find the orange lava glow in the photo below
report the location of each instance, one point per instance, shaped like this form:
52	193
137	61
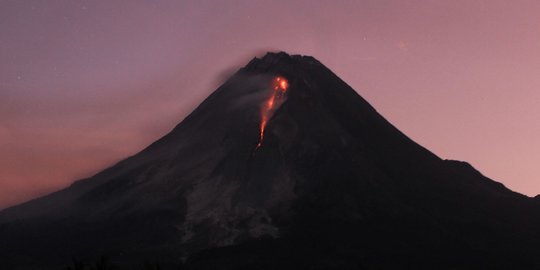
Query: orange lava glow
280	86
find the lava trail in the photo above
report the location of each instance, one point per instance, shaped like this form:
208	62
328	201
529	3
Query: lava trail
279	85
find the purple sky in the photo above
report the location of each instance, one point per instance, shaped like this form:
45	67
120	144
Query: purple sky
86	83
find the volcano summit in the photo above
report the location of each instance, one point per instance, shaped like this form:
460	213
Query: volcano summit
284	166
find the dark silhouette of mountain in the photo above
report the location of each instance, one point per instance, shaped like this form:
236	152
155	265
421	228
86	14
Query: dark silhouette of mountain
332	186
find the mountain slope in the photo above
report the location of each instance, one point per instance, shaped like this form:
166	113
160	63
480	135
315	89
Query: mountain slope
332	178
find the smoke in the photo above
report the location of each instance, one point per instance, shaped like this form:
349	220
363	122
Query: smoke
225	73
268	92
247	89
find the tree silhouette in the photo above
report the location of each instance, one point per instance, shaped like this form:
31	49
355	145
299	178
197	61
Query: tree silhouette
76	265
103	264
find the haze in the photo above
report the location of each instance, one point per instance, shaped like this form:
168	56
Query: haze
84	84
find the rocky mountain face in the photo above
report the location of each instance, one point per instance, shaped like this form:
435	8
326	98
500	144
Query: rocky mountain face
332	185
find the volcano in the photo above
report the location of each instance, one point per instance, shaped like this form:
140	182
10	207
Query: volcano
315	180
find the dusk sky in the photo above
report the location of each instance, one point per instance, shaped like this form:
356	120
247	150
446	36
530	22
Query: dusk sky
84	84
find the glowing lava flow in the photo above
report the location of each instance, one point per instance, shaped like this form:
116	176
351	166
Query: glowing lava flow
280	86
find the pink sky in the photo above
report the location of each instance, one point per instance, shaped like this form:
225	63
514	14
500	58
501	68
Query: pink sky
86	83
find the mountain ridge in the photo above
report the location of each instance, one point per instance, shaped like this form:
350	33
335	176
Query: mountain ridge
329	165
